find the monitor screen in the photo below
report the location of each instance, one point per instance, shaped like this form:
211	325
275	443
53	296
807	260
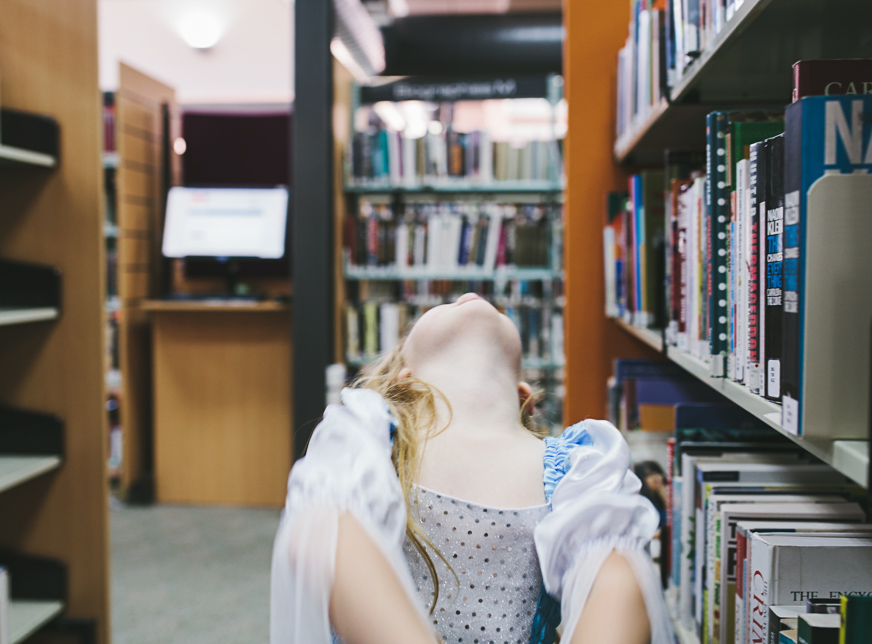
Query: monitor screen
226	222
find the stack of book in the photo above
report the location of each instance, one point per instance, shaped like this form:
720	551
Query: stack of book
754	254
381	156
447	236
752	525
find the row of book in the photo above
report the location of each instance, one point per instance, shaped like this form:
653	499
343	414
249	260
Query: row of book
454	235
383	156
5	619
825	620
374	327
666	36
737	250
754	529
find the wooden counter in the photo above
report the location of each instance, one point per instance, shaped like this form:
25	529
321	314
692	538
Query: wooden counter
222	401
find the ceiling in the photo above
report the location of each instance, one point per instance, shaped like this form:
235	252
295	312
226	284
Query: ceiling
399	8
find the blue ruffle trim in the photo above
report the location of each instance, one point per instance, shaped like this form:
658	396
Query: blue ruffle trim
557	451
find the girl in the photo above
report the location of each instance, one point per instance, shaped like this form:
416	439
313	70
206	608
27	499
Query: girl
426	511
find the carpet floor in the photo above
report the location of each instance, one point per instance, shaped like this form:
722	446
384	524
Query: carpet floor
191	575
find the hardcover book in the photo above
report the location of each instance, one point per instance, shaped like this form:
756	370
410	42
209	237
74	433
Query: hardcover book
787	569
829	143
774	259
850	76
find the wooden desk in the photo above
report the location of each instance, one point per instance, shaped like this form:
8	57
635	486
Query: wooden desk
222	401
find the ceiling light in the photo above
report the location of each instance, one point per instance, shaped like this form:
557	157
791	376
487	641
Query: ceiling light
200	29
399	8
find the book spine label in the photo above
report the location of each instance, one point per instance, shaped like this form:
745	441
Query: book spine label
753	246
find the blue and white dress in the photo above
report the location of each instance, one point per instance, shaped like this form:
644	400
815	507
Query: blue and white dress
514	572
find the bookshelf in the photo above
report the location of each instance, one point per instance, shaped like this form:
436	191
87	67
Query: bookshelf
469	195
54	527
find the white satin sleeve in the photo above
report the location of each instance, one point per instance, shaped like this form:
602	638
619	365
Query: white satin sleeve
596	509
347	469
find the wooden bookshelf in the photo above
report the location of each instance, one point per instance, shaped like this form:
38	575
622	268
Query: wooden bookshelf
19	158
15	470
27	617
10	316
52	218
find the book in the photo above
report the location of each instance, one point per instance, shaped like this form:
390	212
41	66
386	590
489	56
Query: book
5	626
828	137
856	619
817	628
781	618
744	529
786	569
830	605
755	306
849	76
774	151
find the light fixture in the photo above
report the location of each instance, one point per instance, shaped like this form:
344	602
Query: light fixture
399	8
180	146
200	29
390	114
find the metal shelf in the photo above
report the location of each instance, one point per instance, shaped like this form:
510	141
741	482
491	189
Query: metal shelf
652	337
15	470
748	64
850	457
456	274
458	187
27	617
17	315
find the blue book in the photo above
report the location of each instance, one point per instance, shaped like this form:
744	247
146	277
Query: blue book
824	136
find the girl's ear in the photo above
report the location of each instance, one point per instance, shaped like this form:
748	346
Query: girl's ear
525	391
405	372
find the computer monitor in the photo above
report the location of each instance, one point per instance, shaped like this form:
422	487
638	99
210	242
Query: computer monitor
226	223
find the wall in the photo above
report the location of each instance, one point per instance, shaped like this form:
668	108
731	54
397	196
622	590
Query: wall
251	63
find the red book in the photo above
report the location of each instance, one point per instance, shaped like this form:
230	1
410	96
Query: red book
830	77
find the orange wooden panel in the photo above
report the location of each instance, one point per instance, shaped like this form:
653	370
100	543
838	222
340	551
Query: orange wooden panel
595	31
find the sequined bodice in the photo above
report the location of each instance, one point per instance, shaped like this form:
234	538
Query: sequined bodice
493	598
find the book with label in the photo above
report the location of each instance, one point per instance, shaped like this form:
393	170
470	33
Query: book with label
788	568
851	76
828	146
773	259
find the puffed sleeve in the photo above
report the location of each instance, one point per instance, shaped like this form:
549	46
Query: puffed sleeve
347	469
596	509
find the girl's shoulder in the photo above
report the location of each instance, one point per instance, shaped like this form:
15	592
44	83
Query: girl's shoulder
598	437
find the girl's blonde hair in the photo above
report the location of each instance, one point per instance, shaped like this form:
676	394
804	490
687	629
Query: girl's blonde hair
413	405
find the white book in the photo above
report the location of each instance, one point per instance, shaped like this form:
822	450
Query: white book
787	569
486	158
395	159
352	332
723	547
410	161
402	245
5	628
557	355
455	234
389	326
744	529
434	239
419	254
611	287
493	236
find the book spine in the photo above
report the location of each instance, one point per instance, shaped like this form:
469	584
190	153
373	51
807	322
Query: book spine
753	290
758	593
790	352
718	215
774	266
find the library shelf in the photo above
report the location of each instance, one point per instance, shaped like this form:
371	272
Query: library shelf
505	187
850	457
744	65
652	337
457	274
22	315
19	158
216	304
26	617
535	364
15	470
